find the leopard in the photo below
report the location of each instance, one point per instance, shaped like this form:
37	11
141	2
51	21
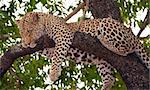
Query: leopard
115	36
111	33
29	35
36	24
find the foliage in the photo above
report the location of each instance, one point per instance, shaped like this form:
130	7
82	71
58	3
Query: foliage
129	9
30	71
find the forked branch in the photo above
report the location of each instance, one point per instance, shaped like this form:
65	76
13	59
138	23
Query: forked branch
144	23
75	11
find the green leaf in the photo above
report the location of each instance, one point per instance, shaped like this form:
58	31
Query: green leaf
33	2
43	2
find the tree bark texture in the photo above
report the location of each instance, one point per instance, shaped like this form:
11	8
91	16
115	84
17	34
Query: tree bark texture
105	8
133	72
129	67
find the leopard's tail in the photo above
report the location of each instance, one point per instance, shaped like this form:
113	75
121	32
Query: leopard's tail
142	54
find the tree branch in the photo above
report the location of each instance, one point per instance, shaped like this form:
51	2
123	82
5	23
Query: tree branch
144	23
129	69
147	37
133	72
75	11
18	79
105	8
18	51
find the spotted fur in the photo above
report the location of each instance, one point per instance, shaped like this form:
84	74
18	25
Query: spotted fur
113	35
105	69
35	24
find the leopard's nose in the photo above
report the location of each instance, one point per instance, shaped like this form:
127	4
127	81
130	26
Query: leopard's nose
25	45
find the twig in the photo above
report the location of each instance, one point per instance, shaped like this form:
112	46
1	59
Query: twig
144	23
4	37
147	37
75	11
18	80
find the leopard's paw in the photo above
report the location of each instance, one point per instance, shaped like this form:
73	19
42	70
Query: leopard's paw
108	84
55	73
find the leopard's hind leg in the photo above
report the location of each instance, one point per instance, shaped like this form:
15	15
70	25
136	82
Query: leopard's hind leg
104	69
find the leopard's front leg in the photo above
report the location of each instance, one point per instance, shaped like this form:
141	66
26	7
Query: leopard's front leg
55	70
63	42
56	62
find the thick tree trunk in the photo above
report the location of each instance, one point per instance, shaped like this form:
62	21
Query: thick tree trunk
129	66
105	8
133	72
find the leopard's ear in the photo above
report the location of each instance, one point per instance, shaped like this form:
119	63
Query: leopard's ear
18	22
35	17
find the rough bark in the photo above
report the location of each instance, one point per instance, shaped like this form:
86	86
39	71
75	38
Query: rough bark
131	69
133	72
128	66
17	51
104	8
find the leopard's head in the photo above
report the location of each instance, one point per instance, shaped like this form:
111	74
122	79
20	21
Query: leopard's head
31	28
